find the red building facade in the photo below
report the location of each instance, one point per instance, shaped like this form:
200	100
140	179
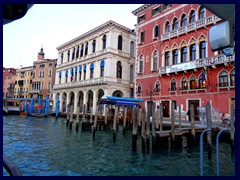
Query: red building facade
8	82
175	63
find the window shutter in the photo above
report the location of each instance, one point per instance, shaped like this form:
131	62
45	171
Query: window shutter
138	19
159	9
152	12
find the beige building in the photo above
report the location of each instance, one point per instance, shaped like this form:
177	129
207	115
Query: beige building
23	81
97	63
43	76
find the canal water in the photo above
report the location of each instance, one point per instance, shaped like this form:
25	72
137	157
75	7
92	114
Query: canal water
46	147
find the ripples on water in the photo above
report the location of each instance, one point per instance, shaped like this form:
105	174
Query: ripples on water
46	147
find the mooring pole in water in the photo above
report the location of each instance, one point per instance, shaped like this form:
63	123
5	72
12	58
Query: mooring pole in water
95	120
68	114
157	118
118	107
77	117
57	106
192	123
115	123
149	106
106	117
83	117
180	115
143	129
172	123
124	119
201	151
46	106
161	117
71	117
232	128
91	116
209	126
154	144
135	128
139	120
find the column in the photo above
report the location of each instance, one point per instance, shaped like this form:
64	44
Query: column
75	102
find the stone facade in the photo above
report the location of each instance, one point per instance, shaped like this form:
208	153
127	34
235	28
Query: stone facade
8	82
95	64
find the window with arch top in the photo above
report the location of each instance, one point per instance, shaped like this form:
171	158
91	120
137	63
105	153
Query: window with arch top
119	42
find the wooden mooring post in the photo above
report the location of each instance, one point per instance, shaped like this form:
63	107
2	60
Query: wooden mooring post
115	123
180	115
77	117
154	143
158	118
135	128
172	123
149	106
209	126
143	129
161	117
106	118
68	114
193	135
71	117
124	119
232	128
95	121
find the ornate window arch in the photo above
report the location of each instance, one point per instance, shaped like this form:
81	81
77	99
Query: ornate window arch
157	87
184	83
141	64
223	78
201	13
167	27
156	31
184	21
193	82
155	60
139	88
175	23
173	85
192	16
232	77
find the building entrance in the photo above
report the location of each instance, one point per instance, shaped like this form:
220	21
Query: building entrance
195	106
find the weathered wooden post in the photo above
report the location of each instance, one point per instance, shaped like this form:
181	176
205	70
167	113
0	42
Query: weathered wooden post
91	116
124	119
149	105
180	115
232	128
77	117
95	120
68	114
135	128
106	117
157	118
153	127
161	117
209	126
139	120
118	107
143	129
192	122
115	124
71	117
172	123
101	111
84	117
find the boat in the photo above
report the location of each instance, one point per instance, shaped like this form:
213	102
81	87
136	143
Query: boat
37	115
11	106
23	113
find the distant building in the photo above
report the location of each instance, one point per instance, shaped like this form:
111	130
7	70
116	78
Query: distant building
23	81
8	82
43	76
97	63
175	63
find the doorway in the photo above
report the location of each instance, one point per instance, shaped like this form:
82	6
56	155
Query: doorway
195	105
166	108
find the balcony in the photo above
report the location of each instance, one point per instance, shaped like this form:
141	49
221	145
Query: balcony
91	82
20	92
191	65
191	27
225	85
35	91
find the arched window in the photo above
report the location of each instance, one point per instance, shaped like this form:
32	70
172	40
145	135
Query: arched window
167	58
167	27
193	83
131	73
192	17
119	70
232	78
66	76
102	64
173	85
132	49
201	82
73	53
139	88
50	73
183	54
223	79
80	73
202	49
68	55
201	14
77	52
175	56
156	31
104	40
142	36
183	20
82	48
94	46
86	49
192	52
175	24
155	61
157	87
75	76
120	42
61	58
84	72
141	64
59	77
91	70
184	83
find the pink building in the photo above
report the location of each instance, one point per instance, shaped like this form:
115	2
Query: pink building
8	82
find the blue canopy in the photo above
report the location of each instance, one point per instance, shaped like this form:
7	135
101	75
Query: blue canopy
102	63
76	70
85	68
113	98
92	66
66	73
80	69
60	74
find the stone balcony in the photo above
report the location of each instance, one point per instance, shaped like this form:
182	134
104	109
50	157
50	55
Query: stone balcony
190	27
200	63
90	82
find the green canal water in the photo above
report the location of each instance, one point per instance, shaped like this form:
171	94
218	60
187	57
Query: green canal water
46	147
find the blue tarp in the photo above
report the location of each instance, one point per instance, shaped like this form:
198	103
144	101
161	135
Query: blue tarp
112	98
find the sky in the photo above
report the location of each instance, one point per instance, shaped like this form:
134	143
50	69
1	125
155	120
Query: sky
51	25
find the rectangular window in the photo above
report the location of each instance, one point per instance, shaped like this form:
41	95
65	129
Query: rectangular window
142	36
167	58
141	18
202	49
156	10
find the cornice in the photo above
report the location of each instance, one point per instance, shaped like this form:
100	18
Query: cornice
138	11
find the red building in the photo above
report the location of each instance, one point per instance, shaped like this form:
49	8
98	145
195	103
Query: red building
8	82
175	62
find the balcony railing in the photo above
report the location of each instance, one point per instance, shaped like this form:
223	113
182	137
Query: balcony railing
20	92
209	61
35	91
91	82
190	27
225	85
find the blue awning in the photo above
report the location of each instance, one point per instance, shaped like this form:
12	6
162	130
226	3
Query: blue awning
76	70
60	74
85	68
80	69
113	98
102	63
92	66
66	73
